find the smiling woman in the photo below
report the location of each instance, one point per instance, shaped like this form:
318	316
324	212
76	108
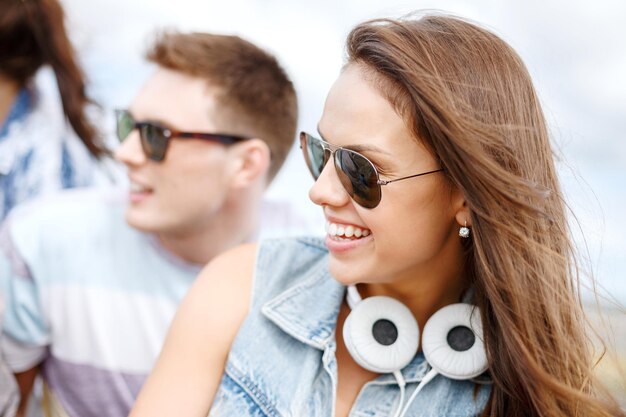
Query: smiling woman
471	247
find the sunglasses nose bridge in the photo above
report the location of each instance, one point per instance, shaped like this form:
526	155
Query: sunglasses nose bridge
130	151
329	153
328	188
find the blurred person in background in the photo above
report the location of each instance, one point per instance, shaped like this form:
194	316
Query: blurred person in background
92	278
47	140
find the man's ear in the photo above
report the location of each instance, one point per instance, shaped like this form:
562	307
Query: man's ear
251	159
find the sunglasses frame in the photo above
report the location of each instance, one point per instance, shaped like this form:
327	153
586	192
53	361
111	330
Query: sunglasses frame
328	147
168	134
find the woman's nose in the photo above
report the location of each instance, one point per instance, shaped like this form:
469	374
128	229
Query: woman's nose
328	190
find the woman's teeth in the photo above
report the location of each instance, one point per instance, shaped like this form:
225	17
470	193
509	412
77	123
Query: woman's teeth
346	231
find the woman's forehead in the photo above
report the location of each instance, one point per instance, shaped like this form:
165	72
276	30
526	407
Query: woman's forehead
355	109
356	114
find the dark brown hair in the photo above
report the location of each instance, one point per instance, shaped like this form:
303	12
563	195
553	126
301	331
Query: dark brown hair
33	33
468	97
256	93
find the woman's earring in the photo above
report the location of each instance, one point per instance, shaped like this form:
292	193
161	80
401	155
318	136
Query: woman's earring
464	231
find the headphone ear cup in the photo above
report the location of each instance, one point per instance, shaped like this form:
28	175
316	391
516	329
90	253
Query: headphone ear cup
381	334
453	342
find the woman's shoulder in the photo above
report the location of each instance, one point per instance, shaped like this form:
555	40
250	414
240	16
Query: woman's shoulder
252	274
266	267
310	245
289	255
290	252
284	263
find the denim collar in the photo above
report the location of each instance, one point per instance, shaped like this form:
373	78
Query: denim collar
308	312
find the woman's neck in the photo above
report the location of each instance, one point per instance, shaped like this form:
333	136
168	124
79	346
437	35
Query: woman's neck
423	300
8	91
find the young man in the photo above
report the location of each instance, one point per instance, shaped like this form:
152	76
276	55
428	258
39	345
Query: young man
91	281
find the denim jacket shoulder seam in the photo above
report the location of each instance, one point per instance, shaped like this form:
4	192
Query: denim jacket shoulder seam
251	389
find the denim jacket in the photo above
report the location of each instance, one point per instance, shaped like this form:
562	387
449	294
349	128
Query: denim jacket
282	361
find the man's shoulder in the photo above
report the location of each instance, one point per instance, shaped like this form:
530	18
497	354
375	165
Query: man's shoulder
75	203
74	214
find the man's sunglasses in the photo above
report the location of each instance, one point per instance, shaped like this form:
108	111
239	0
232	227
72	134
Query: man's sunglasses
357	174
155	137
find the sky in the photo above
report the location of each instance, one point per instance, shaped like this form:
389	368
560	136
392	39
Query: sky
573	49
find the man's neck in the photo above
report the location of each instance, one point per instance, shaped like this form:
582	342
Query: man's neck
8	92
237	224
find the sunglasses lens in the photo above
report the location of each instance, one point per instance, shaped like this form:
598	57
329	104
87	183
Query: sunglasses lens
314	154
153	141
358	177
125	124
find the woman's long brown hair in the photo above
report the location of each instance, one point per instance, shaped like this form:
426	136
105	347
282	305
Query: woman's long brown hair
467	95
33	33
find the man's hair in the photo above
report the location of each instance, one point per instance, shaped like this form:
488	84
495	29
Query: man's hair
257	97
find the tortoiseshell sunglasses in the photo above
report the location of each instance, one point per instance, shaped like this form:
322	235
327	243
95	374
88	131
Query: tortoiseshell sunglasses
155	137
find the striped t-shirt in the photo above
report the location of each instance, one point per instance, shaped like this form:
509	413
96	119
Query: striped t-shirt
89	296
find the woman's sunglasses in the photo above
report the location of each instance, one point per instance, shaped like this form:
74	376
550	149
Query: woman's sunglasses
155	137
357	174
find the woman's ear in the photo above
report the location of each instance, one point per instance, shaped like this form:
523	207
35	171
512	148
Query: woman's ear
462	211
463	216
252	162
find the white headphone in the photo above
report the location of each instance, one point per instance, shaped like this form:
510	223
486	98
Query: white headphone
382	336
